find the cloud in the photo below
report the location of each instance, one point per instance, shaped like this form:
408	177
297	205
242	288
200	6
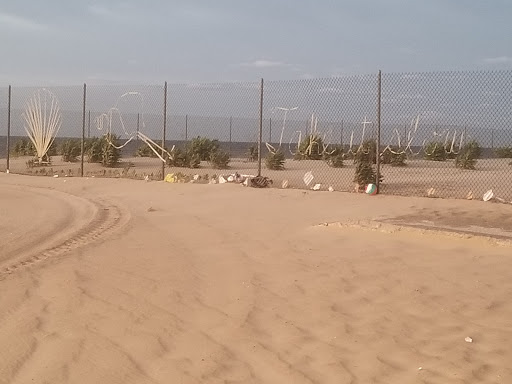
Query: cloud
498	60
115	12
265	64
20	23
100	10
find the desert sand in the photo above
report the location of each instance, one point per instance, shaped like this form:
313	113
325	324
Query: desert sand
125	281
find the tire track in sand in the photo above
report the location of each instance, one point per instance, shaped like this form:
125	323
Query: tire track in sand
107	220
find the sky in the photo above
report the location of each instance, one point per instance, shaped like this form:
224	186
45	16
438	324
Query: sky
63	42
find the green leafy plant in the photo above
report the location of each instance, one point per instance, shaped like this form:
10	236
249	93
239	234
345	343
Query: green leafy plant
183	158
219	159
110	154
394	156
468	155
94	150
310	148
365	172
275	161
23	147
435	151
145	151
503	152
334	156
70	150
252	153
203	147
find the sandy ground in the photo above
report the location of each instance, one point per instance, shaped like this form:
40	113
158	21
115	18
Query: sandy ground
122	281
413	180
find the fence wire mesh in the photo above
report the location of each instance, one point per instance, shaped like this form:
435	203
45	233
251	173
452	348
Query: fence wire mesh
3	128
317	125
446	134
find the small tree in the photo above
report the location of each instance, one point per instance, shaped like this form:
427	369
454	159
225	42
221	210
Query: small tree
435	151
94	150
145	151
394	156
468	155
23	147
275	160
252	153
203	147
219	159
110	154
183	158
365	172
504	152
310	148
70	150
369	150
334	156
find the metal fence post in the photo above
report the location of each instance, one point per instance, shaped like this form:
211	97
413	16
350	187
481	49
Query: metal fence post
341	135
230	132
164	130
138	127
89	125
270	131
8	130
261	128
379	90
82	144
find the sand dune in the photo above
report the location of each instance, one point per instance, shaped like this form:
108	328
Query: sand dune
161	283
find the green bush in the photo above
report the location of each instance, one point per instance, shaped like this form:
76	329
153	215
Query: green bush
365	172
94	150
70	150
275	161
368	151
219	159
503	152
310	148
145	151
450	155
183	159
252	153
468	155
23	147
435	151
110	154
394	157
203	147
334	156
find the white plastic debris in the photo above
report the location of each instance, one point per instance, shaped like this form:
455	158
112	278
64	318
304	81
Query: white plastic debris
308	178
331	189
488	195
468	339
317	187
231	178
196	177
55	176
431	192
222	180
284	184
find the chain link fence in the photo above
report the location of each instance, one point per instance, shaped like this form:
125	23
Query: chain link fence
445	134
